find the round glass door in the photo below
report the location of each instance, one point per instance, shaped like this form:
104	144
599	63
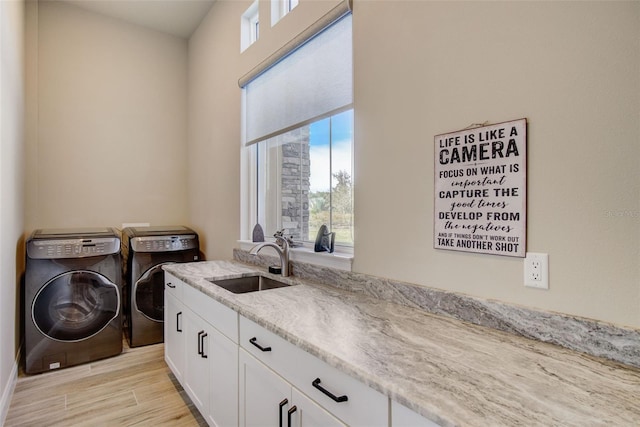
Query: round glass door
75	305
149	293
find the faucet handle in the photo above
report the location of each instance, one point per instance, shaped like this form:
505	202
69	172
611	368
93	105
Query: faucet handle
282	241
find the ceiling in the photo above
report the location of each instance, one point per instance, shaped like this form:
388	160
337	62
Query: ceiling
177	17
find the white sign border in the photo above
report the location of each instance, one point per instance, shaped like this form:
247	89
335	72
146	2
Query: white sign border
487	245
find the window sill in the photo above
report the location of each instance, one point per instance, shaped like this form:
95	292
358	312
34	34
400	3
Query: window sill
337	260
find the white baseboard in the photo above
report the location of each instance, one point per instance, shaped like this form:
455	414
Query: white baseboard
9	387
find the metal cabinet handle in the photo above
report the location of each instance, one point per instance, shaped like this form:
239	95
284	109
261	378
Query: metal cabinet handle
289	413
204	335
170	285
316	384
254	342
200	342
178	316
284	402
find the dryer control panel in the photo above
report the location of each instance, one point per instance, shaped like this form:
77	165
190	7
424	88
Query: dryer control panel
164	243
72	248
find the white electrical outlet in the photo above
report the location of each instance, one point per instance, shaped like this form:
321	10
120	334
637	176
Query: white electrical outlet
536	270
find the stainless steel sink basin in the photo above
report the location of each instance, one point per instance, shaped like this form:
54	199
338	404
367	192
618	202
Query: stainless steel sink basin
243	285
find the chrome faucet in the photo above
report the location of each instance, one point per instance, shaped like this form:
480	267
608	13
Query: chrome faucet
282	247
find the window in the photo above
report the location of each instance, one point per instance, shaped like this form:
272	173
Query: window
304	180
249	26
298	138
279	8
254	23
288	5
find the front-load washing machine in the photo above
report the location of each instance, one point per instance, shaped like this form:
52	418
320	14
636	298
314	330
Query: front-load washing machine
73	290
146	249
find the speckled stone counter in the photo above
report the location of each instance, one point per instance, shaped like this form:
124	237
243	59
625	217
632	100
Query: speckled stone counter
452	372
597	338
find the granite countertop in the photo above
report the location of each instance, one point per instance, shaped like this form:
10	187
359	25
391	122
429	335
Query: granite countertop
452	372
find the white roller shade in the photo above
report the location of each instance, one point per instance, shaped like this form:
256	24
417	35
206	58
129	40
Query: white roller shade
313	81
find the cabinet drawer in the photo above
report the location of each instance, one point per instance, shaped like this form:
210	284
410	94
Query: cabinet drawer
346	398
220	316
272	350
326	385
173	285
401	416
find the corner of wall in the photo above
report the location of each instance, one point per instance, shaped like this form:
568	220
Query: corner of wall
10	386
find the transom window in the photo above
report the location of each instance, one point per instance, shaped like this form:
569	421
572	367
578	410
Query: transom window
250	26
279	8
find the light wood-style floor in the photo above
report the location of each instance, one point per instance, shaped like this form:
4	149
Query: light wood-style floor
135	388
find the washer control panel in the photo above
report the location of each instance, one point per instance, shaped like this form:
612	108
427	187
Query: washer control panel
164	243
72	248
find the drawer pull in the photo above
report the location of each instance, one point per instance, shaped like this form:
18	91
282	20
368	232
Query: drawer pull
284	402
316	384
290	412
170	285
200	351
204	335
253	341
178	316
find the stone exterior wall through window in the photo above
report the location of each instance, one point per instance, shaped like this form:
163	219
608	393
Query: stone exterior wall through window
295	184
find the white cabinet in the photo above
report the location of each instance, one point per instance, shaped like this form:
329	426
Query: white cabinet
401	416
307	413
261	394
203	358
266	399
197	372
173	329
223	395
335	398
237	373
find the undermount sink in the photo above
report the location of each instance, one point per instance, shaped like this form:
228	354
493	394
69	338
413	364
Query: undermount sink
242	285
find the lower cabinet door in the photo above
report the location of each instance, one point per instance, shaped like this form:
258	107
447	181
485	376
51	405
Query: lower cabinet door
223	407
307	413
265	398
197	373
174	335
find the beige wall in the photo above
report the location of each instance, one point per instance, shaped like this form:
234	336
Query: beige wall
214	129
11	190
109	144
573	70
423	68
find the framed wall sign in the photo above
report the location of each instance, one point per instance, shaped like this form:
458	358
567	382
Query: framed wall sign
481	189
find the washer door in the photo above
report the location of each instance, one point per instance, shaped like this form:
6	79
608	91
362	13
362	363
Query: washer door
148	293
75	306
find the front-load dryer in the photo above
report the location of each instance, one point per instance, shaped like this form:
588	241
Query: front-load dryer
146	249
73	290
